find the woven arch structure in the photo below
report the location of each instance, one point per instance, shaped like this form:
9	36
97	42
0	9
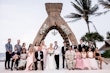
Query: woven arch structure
55	21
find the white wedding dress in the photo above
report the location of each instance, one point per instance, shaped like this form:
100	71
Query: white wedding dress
50	60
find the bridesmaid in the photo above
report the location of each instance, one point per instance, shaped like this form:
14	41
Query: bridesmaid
85	60
98	57
30	58
30	46
44	49
93	62
79	63
22	61
24	46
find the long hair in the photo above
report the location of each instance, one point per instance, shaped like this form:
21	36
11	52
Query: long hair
22	50
31	49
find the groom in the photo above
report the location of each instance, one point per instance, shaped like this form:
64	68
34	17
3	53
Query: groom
39	58
56	51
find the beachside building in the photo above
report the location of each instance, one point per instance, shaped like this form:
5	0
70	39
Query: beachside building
106	46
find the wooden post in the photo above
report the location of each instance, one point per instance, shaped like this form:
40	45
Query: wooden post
55	20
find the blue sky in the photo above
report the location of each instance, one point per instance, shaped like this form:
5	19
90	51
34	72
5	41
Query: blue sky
21	19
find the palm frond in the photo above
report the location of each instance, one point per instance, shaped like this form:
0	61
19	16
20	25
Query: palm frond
94	9
84	4
73	15
106	4
74	20
79	9
100	13
88	4
85	10
79	2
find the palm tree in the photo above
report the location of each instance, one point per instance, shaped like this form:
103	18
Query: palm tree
94	36
84	10
106	4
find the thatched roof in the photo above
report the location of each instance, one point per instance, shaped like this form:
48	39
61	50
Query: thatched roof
106	46
108	41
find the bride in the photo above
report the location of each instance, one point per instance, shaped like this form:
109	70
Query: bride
50	58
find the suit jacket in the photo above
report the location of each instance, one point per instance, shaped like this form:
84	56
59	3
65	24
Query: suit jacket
80	47
13	53
75	47
63	50
41	55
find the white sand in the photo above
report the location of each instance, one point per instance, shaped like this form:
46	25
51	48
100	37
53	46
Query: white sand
106	69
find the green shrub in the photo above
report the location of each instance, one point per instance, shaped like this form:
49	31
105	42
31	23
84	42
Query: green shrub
106	54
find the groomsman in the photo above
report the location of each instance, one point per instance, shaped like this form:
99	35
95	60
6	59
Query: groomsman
9	48
91	45
63	50
81	45
39	58
18	46
70	55
15	58
56	51
73	46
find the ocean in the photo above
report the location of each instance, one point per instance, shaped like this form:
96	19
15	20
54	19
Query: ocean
2	56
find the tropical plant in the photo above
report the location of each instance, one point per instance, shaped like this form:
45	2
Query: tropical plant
106	3
93	36
106	54
84	10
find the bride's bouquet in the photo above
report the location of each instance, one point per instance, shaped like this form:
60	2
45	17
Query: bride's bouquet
51	53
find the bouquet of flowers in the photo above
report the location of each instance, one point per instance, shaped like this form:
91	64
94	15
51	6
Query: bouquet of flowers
51	53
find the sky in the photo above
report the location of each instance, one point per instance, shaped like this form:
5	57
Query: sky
21	19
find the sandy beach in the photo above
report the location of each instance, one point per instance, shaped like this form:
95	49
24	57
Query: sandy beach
106	69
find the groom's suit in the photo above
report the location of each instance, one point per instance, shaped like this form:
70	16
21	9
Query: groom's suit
56	51
80	46
64	49
39	57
